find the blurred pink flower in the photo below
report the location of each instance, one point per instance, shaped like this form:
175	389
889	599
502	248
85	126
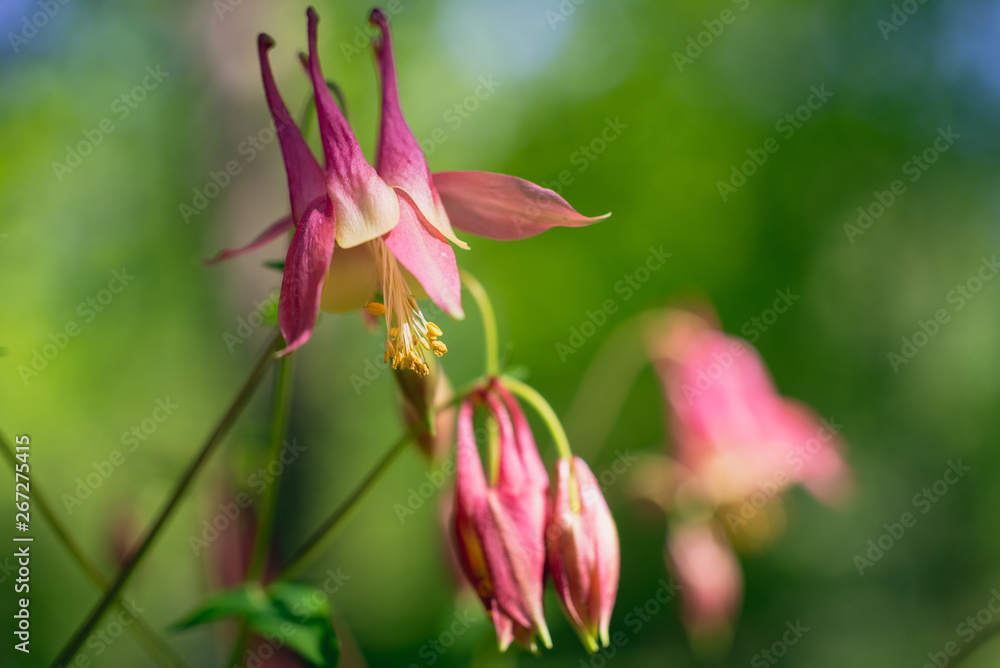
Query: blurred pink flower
583	552
732	432
500	523
710	578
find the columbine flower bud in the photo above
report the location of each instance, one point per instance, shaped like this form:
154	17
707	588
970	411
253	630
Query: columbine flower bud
500	523
710	578
582	552
419	397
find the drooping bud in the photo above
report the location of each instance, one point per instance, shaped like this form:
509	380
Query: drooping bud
500	525
582	552
419	398
710	578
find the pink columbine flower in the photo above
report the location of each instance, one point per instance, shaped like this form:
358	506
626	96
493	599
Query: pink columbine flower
392	225
710	578
500	523
582	552
733	433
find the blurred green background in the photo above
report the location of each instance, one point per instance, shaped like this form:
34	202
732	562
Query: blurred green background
560	73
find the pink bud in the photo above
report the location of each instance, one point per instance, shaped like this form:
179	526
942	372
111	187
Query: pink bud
500	523
709	575
583	553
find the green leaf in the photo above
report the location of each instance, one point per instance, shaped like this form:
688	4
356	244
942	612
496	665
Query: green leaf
243	602
291	615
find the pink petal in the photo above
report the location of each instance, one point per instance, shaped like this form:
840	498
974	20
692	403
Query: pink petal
305	268
531	461
428	258
306	181
267	236
364	206
504	207
400	161
470	484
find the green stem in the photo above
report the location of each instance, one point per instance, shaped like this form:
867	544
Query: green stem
538	402
489	317
221	429
147	637
269	501
320	538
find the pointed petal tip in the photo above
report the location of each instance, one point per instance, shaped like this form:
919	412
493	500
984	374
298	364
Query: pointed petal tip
379	17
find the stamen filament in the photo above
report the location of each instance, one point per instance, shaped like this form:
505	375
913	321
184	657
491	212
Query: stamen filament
408	333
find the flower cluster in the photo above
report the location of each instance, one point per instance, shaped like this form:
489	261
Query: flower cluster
509	531
362	231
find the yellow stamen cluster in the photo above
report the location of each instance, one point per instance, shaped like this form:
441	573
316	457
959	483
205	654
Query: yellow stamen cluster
408	333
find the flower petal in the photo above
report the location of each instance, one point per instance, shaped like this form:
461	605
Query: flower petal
400	161
364	206
306	180
305	268
262	239
430	259
504	207
351	280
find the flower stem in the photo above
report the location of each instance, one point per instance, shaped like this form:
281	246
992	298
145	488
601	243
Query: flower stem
269	501
147	637
221	429
267	512
542	407
489	317
320	538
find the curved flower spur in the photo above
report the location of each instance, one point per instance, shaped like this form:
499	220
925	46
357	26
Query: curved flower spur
392	226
